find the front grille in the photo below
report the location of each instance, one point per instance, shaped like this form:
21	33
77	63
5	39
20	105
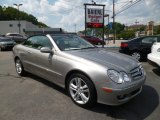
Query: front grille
9	44
137	72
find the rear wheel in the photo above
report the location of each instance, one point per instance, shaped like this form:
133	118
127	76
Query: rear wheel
0	49
81	90
19	67
137	55
99	43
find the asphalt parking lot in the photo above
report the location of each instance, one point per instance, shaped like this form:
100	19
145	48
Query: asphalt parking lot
33	98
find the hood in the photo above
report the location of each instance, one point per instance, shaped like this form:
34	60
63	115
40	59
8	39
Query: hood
108	59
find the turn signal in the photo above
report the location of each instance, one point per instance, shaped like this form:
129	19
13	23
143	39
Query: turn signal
107	90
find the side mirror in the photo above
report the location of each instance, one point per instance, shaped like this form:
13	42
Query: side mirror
46	50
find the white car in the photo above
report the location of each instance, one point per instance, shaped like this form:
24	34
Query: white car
154	56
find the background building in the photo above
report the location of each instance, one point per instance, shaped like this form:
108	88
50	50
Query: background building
12	26
150	28
26	28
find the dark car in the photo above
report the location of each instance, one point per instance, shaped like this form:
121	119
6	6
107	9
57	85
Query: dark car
139	47
6	43
18	38
93	40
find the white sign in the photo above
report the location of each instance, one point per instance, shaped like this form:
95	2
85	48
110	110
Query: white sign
94	15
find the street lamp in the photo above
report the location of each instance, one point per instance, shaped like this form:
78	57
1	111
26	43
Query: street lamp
18	5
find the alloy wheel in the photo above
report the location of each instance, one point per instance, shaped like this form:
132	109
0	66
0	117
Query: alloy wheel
18	66
136	55
79	90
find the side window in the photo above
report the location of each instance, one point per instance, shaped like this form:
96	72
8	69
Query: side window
31	41
149	40
43	41
38	42
158	39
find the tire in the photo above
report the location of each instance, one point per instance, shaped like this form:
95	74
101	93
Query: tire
81	90
99	43
19	67
137	56
1	49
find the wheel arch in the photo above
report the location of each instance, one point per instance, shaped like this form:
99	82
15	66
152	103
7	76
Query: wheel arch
80	72
15	58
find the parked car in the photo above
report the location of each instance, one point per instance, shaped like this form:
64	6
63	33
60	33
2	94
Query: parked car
93	40
18	38
6	43
154	56
89	74
139	47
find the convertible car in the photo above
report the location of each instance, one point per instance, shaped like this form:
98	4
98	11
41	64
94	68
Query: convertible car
88	73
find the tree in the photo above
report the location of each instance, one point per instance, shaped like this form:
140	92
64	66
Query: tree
126	34
157	30
11	13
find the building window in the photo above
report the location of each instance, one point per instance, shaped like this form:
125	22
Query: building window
10	25
19	25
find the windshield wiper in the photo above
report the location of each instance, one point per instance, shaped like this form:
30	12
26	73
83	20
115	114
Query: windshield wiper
72	48
89	48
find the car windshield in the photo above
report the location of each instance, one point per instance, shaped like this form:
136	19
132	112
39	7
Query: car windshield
5	40
71	42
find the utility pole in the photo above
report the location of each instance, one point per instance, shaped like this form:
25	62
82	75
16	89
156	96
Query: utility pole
109	28
107	15
75	25
19	25
136	22
114	28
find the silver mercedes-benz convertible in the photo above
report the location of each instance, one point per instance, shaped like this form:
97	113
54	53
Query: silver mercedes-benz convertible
89	74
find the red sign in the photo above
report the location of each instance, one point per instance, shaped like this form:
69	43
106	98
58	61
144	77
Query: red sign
94	25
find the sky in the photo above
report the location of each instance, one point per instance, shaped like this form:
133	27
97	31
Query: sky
70	15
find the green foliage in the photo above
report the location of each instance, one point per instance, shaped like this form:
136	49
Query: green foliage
98	31
126	34
157	30
142	28
11	13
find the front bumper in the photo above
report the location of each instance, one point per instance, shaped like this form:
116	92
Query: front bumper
6	46
120	96
154	58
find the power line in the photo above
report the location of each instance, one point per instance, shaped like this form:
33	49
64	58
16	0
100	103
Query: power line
122	6
128	7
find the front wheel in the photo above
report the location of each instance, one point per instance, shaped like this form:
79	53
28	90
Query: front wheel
81	90
19	67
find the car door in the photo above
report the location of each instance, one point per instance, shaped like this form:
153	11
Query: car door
146	44
26	54
44	64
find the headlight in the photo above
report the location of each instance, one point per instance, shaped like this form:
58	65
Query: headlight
158	50
125	77
118	77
